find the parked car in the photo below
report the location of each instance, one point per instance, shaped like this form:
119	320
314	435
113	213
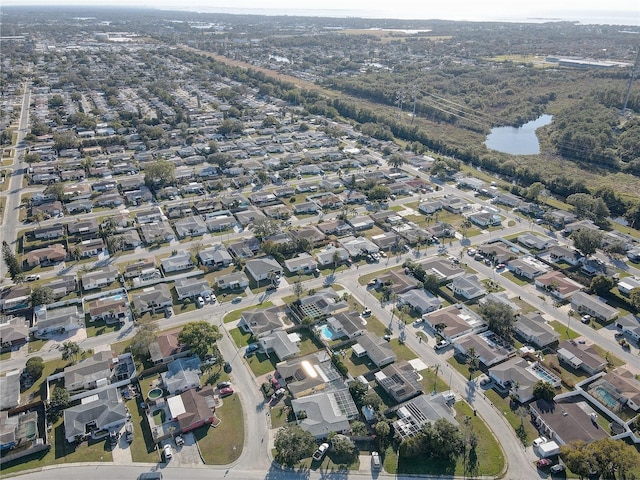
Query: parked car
441	344
539	441
560	467
320	452
213	298
418	322
252	347
179	440
366	312
32	278
271	288
236	300
585	318
227	367
168	452
224	384
168	312
226	391
543	462
207	297
372	283
113	437
128	428
375	461
200	301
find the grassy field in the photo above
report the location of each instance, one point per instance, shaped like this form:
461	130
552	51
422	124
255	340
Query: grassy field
223	445
239	337
143	449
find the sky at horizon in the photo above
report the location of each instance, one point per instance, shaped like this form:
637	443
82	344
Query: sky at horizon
623	12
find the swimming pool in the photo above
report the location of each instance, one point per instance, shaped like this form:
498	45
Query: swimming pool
117	297
326	332
608	399
543	374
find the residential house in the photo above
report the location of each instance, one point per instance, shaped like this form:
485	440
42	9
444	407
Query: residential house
14	299
485	219
517	376
400	381
321	304
335	227
332	257
622	385
588	304
324	412
177	262
420	301
557	284
99	278
85	226
310	374
145	267
248	216
454	321
76	206
305	208
192	287
152	298
453	204
310	233
191	226
498	251
377	349
91	248
399	281
442	268
47	210
96	415
151	215
182	374
420	410
49	232
500	298
387	241
489	347
626	284
527	267
361	222
429	207
90	373
193	408
535	242
19	434
45	256
629	325
113	309
303	263
345	325
167	347
562	253
357	246
468	287
507	199
244	248
262	322
59	320
284	345
13	333
533	328
159	232
262	268
233	281
583	357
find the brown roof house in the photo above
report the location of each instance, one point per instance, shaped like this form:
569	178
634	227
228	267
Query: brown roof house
192	408
578	356
166	347
46	256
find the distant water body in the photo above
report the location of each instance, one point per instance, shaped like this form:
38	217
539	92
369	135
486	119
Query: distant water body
517	141
630	17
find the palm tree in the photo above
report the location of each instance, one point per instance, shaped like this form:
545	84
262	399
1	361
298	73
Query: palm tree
473	361
465	225
336	260
70	351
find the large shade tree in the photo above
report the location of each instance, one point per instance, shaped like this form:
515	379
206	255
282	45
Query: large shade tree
292	444
199	336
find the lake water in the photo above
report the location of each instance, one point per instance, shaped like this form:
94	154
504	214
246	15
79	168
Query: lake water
517	141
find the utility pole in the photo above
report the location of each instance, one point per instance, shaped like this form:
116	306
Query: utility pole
435	379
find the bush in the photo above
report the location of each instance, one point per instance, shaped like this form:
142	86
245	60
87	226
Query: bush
34	367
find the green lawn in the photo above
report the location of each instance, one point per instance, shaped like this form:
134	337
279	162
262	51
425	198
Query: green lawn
37	390
142	448
280	415
402	351
357	366
329	464
36	345
260	364
489	460
461	367
503	404
223	445
515	279
100	328
240	337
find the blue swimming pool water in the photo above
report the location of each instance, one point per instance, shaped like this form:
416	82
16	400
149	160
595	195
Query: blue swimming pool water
326	332
117	297
608	399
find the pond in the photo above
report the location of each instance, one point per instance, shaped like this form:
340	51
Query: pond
517	141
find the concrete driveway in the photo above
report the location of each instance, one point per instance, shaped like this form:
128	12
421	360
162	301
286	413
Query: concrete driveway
187	454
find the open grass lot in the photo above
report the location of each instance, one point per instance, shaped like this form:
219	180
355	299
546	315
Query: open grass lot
487	458
223	444
62	452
